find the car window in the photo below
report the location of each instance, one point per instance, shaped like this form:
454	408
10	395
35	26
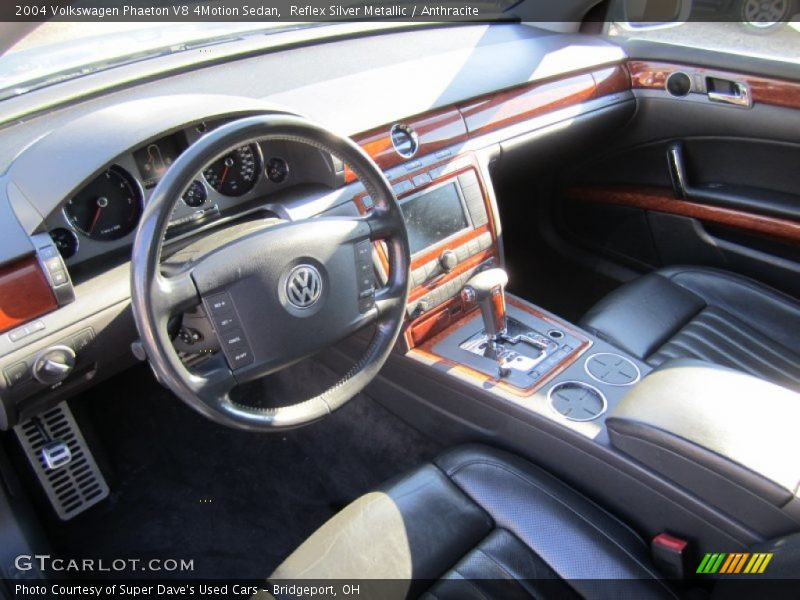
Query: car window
750	27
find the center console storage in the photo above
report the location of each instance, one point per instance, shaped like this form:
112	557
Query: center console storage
720	434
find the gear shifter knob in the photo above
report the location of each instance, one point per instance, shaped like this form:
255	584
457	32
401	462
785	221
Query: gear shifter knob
488	289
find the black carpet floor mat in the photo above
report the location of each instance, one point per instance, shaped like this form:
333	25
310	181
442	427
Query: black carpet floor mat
236	503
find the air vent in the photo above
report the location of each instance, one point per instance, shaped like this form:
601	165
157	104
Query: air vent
404	140
73	483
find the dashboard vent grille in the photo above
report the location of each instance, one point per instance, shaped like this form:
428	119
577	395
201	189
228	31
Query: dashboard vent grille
404	140
74	484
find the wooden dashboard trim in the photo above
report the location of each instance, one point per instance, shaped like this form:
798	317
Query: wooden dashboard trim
776	92
24	293
513	106
425	350
663	200
419	329
435	130
456	124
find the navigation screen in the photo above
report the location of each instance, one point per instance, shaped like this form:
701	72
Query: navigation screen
433	217
154	159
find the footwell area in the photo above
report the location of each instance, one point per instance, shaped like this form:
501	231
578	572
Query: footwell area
236	503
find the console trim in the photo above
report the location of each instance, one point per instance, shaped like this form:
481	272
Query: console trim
426	352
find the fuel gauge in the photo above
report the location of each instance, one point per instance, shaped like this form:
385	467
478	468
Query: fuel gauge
196	194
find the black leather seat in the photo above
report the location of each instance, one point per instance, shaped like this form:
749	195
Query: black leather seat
706	314
480	523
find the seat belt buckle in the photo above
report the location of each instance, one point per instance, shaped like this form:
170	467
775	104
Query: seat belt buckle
670	555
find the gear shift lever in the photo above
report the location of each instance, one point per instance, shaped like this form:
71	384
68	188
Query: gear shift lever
487	288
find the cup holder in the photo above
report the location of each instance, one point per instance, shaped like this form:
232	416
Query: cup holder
612	369
577	401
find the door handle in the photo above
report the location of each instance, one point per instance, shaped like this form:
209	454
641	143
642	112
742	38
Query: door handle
729	92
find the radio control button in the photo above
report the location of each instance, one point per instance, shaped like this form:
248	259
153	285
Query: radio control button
421	179
438	172
402	187
417	277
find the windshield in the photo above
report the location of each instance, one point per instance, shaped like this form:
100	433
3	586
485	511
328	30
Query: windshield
58	51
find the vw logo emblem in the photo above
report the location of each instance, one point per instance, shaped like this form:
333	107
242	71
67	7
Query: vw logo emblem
303	286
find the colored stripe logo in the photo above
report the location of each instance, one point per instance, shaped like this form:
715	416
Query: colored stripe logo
734	563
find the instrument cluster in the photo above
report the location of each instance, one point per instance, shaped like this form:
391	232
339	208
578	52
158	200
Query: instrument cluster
103	215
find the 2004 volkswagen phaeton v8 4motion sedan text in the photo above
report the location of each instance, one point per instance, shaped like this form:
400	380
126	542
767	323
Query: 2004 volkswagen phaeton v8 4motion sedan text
399	309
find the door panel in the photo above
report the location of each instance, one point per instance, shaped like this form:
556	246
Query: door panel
697	181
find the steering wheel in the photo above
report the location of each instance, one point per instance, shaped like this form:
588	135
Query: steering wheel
275	295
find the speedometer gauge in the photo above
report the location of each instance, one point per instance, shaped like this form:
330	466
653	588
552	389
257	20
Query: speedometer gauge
236	173
108	208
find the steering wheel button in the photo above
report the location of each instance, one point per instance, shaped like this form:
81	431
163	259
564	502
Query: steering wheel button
241	358
226	322
220	304
233	338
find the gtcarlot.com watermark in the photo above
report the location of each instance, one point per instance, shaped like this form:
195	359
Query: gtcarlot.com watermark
49	564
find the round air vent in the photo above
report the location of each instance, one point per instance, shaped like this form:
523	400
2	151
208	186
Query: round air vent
612	369
577	401
404	140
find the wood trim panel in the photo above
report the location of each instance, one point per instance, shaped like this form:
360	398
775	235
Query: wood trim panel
520	104
426	350
611	80
24	293
663	200
435	130
776	92
442	128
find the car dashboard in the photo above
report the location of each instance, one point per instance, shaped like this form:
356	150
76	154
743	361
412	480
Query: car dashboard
70	233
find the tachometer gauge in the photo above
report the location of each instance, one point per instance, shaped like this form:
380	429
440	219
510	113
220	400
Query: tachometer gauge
65	241
108	208
236	173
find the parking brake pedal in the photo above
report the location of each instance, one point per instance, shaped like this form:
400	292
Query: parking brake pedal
62	461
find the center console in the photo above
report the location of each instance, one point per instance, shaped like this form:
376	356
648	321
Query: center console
452	236
460	320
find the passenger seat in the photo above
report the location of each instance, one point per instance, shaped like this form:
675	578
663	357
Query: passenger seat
706	314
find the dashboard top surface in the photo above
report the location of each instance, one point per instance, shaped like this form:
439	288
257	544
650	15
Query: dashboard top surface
391	75
388	77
